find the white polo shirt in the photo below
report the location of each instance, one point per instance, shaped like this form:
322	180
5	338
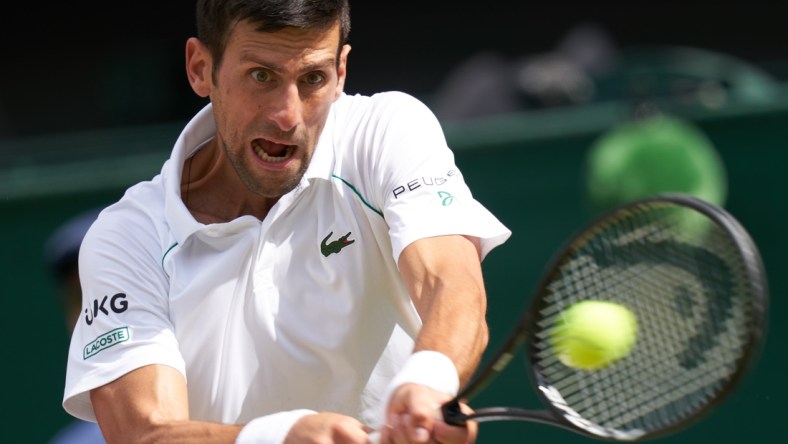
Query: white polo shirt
305	309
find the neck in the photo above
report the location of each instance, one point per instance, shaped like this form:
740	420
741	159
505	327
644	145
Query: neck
212	192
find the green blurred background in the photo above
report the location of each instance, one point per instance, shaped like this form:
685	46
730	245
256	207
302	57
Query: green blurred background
83	116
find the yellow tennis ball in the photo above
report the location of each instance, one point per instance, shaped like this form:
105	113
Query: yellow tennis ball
590	335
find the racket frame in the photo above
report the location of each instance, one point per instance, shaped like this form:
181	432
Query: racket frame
556	411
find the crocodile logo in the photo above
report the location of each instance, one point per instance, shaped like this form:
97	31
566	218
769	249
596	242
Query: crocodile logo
335	246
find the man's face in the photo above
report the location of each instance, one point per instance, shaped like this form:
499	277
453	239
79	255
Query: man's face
271	98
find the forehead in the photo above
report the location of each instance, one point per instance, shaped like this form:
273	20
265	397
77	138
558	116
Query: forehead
246	39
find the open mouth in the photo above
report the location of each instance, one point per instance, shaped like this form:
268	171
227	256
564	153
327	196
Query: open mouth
272	152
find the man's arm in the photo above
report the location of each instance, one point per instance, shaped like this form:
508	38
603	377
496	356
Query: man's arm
444	278
150	405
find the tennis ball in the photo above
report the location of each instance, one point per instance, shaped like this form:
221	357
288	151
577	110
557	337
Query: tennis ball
590	335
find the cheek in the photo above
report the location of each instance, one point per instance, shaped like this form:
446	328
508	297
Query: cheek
338	90
233	112
316	111
227	128
315	121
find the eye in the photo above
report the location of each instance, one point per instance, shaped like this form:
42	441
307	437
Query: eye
314	78
261	75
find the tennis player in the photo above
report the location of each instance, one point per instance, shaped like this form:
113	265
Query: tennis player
306	266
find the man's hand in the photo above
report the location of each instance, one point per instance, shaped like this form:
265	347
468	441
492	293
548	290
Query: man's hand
414	416
328	428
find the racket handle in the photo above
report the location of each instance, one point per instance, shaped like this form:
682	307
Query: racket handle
374	437
452	414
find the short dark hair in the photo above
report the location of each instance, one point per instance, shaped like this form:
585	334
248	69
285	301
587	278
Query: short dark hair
216	18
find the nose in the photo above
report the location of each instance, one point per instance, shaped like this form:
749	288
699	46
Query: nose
285	107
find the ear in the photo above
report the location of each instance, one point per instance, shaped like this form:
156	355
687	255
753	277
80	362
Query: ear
199	67
341	71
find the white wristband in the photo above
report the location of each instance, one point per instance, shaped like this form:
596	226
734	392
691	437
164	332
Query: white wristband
270	429
430	368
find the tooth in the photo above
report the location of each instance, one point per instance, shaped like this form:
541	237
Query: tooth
264	156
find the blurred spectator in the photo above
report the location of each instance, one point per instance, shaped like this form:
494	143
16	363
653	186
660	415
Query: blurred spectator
490	83
61	254
587	66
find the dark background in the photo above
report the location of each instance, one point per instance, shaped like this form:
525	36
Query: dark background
79	65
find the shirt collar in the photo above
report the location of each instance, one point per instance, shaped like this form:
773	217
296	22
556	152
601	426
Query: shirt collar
201	129
195	134
322	164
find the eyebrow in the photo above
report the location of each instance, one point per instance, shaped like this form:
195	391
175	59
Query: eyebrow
307	68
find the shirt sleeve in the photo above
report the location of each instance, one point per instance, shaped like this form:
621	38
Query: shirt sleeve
423	191
124	322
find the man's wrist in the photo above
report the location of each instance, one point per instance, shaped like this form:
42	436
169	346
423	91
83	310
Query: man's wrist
270	429
429	368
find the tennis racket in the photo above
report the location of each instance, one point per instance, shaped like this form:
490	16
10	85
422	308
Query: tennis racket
694	279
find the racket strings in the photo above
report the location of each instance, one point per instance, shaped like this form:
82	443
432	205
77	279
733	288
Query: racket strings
684	279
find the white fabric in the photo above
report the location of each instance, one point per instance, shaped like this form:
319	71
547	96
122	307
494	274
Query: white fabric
270	429
256	318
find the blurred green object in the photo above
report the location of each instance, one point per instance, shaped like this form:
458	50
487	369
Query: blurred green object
652	155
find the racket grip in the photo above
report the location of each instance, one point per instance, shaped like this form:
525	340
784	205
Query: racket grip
374	437
452	414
